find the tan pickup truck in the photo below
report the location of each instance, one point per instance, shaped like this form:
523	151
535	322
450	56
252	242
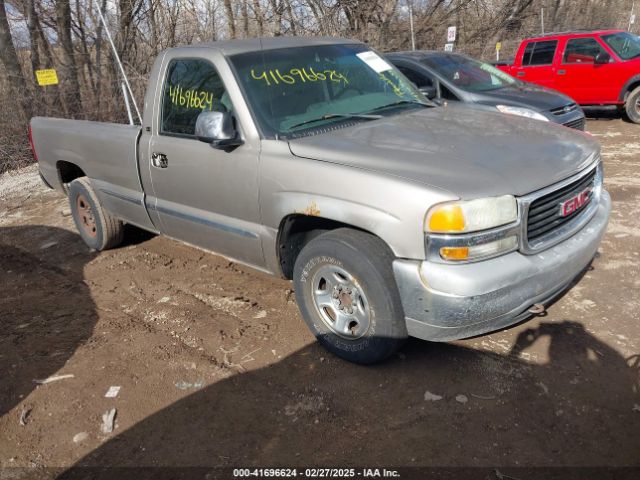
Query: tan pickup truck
317	160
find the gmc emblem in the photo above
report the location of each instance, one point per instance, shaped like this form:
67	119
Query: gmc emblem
575	203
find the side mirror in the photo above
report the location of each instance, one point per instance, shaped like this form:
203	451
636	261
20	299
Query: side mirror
430	92
602	58
217	129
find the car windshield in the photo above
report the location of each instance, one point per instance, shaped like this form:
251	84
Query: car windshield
625	45
468	74
295	90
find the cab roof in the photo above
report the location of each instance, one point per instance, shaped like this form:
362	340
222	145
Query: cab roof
246	45
574	33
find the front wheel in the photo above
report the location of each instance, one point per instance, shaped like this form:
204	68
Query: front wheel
632	106
346	292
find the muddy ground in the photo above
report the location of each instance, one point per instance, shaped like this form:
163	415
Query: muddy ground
216	367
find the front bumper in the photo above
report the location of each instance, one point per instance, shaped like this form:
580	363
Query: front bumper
447	302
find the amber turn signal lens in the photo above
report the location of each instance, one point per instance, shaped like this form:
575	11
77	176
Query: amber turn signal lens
454	253
448	218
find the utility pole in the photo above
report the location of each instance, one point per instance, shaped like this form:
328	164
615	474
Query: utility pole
542	19
413	37
632	17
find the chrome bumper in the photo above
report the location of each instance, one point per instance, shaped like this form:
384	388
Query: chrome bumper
447	302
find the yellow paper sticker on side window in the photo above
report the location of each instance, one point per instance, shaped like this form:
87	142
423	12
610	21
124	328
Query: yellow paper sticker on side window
47	77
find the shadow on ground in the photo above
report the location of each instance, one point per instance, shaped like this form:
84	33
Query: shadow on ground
46	311
601	113
577	409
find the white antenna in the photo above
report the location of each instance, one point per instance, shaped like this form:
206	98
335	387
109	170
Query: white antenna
126	102
124	75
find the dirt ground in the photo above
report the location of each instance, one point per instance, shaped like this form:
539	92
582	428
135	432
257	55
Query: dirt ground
216	367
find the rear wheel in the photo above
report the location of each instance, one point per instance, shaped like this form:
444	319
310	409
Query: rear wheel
632	106
348	297
97	227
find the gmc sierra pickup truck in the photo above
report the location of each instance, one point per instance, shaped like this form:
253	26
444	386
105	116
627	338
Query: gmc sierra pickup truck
317	160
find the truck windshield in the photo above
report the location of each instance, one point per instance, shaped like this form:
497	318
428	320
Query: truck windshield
625	45
468	74
296	90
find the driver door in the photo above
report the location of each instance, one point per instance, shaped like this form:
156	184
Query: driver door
201	195
580	77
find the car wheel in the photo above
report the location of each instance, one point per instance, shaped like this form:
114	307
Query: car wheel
347	294
632	106
97	227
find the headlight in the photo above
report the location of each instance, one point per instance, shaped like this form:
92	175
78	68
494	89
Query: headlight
471	215
522	112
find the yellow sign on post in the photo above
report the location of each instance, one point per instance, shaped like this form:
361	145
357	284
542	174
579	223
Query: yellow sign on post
47	77
498	46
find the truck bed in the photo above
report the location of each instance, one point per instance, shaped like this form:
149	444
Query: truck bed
105	152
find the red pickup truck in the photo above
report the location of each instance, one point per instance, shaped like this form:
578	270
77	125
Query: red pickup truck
594	68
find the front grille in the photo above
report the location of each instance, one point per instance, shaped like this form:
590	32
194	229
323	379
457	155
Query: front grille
578	124
544	213
570	107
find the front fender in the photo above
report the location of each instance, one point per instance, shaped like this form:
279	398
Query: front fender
365	217
390	207
626	88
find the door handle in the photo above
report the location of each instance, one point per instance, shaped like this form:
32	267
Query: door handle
159	160
561	72
520	73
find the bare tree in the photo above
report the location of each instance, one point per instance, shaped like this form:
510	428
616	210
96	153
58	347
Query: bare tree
69	73
257	12
230	18
32	20
11	64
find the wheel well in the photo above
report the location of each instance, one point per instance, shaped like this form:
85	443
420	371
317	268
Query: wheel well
298	230
630	88
68	172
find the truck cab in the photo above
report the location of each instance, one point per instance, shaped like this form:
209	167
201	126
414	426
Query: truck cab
595	68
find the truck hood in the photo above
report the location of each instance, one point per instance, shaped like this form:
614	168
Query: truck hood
468	152
526	95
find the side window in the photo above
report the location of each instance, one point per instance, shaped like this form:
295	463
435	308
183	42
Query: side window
191	86
539	53
582	50
418	79
528	50
448	94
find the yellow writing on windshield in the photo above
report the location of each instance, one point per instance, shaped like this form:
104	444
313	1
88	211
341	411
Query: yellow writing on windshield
294	75
397	85
190	98
395	88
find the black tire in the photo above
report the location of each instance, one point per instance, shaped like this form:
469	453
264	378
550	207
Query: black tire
365	262
98	228
632	106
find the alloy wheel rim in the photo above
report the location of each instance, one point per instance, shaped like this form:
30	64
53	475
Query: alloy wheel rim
341	302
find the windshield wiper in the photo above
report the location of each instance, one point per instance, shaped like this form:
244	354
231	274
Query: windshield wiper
336	115
402	102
